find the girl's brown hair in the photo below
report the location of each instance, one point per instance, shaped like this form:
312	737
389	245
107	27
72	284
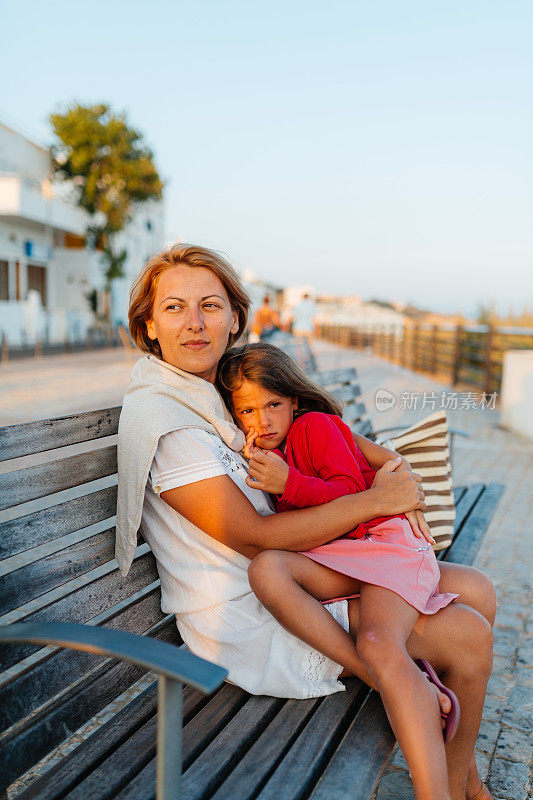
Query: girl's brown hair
273	370
142	294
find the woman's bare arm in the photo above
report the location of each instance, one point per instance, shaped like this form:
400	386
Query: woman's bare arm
219	508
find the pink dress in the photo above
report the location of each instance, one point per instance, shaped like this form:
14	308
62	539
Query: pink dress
325	463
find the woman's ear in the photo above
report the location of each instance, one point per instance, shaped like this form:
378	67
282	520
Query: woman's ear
235	327
295	404
150	329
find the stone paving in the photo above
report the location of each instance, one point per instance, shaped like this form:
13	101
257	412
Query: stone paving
505	742
71	383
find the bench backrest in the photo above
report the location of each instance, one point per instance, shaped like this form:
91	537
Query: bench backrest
57	520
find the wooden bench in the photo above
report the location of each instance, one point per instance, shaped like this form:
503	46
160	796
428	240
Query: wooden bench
77	636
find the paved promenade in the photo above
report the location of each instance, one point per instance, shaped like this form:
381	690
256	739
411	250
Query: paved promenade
70	383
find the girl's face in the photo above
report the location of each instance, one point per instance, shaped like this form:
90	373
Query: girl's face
269	414
192	319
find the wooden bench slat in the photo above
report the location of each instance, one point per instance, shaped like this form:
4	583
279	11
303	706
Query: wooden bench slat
64	668
465	548
23	533
24	744
465	505
333	377
356	765
49	434
47	573
33	742
198	781
87	602
262	757
298	760
45	479
458	492
124	763
221	755
363	428
346	393
74	767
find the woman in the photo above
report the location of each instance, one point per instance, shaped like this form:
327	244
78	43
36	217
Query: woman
180	470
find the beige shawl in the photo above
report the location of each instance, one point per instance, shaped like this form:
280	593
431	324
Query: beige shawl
160	399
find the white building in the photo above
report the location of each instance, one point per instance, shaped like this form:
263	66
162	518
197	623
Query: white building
46	271
354	312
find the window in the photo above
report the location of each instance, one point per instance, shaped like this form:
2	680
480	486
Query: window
37	280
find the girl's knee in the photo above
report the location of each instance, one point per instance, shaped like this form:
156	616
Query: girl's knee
264	566
377	650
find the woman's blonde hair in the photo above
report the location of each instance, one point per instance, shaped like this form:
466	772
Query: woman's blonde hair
142	294
273	370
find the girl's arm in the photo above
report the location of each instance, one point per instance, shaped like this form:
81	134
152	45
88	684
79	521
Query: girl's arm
376	454
336	470
219	508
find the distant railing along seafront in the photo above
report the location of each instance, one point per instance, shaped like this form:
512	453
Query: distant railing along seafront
470	355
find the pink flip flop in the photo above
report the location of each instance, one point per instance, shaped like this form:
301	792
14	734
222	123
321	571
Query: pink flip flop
452	719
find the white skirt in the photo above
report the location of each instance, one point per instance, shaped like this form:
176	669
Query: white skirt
259	654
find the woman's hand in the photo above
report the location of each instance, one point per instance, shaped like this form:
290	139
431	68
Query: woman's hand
416	518
267	471
400	490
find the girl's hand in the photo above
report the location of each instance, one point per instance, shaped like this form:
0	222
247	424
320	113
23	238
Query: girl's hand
249	448
419	526
267	471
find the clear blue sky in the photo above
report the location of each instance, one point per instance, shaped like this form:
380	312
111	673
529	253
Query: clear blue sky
382	149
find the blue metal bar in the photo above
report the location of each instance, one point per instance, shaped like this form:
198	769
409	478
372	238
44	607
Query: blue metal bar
160	657
169	738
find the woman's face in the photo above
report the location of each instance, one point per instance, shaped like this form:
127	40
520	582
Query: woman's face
192	319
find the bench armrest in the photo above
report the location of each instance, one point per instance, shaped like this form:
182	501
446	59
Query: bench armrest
160	657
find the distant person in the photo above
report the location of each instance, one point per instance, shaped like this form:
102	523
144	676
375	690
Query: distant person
303	323
266	320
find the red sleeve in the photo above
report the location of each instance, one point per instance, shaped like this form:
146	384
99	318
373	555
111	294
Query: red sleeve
334	465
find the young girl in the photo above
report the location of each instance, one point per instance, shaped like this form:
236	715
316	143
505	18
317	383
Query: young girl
301	452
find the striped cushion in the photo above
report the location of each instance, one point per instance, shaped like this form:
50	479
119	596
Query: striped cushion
425	446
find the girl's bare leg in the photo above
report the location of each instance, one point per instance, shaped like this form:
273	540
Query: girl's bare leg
457	641
290	586
385	623
290	582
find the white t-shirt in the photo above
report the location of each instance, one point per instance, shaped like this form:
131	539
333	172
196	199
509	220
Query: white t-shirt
196	571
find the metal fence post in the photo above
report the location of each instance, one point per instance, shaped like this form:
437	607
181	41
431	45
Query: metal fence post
5	349
457	359
435	346
169	738
416	347
488	358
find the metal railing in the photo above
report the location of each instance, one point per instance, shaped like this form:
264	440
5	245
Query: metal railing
470	356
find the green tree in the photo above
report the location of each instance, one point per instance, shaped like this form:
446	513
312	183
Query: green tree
111	168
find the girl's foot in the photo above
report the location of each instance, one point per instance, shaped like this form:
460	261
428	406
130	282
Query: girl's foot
482	794
451	717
